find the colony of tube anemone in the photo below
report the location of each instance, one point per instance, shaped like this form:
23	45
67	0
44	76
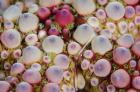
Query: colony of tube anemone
69	45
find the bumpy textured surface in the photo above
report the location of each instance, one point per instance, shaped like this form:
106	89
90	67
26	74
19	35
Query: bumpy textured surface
69	45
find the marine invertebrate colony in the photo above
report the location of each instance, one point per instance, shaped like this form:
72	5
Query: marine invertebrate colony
69	45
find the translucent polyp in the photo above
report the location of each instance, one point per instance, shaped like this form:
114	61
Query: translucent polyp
53	44
136	48
126	40
136	82
51	87
129	12
24	87
49	3
54	74
4	86
84	7
80	81
120	78
131	2
62	61
17	68
4	5
115	10
102	68
121	55
28	22
73	48
34	52
12	13
83	33
101	44
31	76
11	38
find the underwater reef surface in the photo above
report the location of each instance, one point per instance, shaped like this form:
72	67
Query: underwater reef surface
69	45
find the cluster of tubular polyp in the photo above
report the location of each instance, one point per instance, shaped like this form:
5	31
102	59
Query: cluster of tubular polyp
69	45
